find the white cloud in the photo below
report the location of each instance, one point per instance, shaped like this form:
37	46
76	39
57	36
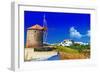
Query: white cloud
74	33
88	33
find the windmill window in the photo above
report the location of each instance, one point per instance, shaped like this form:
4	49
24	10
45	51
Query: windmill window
35	31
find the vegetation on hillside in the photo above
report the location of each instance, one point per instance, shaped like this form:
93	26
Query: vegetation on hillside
75	51
79	47
65	49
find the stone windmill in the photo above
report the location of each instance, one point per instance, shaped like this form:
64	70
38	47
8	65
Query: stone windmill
36	35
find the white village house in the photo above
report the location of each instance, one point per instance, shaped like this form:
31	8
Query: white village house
81	43
67	42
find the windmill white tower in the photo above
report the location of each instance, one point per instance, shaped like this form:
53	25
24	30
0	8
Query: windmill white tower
45	32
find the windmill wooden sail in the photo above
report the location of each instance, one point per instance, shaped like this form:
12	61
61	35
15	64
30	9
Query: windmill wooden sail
46	29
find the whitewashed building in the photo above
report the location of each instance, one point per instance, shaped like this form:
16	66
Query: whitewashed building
67	43
81	43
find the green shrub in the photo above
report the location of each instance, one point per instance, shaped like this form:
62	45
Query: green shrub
80	48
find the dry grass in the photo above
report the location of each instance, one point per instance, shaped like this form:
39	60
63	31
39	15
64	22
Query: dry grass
69	53
64	55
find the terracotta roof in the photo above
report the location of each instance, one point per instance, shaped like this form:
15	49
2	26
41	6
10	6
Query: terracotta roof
36	27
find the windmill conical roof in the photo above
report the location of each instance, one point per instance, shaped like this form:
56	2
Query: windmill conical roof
36	27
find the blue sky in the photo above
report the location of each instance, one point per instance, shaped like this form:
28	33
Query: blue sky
75	26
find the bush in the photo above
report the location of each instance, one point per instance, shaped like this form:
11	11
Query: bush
80	48
43	49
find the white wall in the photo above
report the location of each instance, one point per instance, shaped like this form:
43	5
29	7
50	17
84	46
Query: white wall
5	40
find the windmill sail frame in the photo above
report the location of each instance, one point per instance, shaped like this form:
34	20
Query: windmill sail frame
45	32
